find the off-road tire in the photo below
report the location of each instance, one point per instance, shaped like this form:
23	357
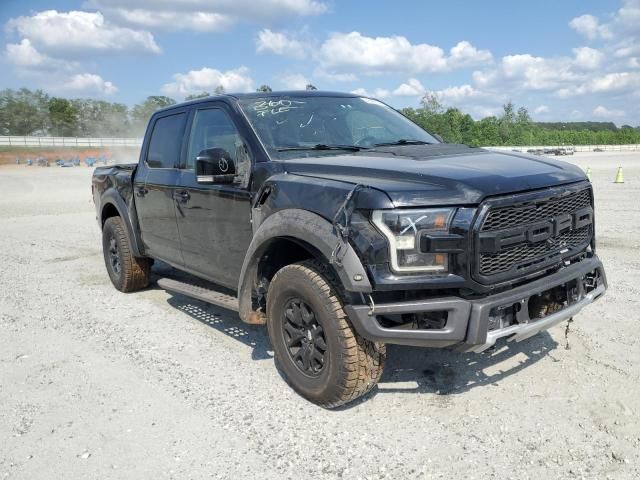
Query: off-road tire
133	273
353	365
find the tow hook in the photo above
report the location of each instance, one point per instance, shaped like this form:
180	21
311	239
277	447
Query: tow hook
372	306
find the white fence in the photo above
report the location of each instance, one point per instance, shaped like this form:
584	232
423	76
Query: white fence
68	142
577	148
136	142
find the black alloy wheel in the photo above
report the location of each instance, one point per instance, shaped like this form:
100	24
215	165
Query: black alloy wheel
114	255
304	337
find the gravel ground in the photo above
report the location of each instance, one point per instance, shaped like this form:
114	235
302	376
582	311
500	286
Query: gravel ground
98	384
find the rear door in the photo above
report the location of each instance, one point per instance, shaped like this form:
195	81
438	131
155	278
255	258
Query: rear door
155	185
215	220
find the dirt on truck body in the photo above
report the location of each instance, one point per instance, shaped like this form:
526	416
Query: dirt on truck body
343	227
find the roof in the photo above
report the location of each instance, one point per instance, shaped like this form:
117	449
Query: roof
257	95
292	93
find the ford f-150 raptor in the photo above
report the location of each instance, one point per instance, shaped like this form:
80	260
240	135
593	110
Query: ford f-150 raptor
343	226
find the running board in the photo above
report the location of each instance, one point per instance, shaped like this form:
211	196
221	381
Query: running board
200	293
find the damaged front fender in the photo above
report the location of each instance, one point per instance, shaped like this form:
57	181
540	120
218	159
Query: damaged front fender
311	229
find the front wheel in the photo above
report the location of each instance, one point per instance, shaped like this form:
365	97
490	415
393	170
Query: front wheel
317	349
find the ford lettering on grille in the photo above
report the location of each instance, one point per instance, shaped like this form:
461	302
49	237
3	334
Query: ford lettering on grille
518	239
493	242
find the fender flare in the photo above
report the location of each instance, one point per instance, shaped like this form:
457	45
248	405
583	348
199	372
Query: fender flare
307	227
113	197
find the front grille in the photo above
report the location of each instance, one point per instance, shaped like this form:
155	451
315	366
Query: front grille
507	217
524	255
510	261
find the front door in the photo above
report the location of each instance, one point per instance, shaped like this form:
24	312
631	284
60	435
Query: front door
154	189
214	221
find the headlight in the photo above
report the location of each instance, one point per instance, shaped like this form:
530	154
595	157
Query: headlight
403	229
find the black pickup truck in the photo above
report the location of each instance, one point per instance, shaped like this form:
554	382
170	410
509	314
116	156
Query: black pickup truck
343	226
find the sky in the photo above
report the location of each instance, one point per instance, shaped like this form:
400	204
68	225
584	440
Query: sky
569	60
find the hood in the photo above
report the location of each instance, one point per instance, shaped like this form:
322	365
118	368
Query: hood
423	175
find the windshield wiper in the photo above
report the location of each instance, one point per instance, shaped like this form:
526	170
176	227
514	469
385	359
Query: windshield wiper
402	141
322	146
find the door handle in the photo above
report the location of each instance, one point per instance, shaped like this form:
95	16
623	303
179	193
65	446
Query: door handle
141	191
182	196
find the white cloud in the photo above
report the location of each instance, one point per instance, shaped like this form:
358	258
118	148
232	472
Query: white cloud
628	15
627	48
172	20
626	26
320	72
590	27
294	82
609	83
204	15
458	94
614	81
377	93
24	56
90	83
538	73
476	102
52	42
411	88
528	72
78	33
356	53
588	58
604	112
381	93
540	109
208	79
485	78
479	112
353	51
280	44
621	34
466	55
605	73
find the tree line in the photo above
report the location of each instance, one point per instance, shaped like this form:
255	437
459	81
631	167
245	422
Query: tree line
33	112
514	127
27	112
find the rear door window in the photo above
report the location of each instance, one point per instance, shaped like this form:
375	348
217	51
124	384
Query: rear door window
166	141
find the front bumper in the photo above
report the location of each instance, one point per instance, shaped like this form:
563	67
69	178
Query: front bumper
468	320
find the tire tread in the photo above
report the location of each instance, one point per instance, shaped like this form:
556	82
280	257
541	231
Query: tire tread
136	271
363	361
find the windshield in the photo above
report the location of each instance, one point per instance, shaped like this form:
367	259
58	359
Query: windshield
314	126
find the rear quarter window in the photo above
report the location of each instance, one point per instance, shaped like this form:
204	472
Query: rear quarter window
166	141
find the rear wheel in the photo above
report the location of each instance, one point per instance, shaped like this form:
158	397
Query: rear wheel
317	349
127	273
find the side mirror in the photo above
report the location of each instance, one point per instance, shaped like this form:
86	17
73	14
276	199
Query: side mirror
438	137
215	165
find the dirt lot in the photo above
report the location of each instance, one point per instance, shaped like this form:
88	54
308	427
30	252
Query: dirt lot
99	384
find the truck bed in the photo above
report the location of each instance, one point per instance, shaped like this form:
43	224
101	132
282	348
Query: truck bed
118	177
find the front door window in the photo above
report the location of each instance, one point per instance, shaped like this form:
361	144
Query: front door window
212	128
